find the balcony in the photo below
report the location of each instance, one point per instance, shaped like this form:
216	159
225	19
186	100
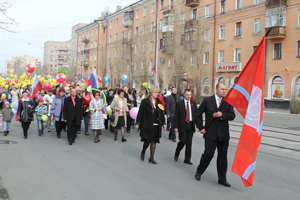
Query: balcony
275	3
85	63
168	9
85	51
85	40
192	3
168	28
128	19
277	32
168	49
190	46
191	23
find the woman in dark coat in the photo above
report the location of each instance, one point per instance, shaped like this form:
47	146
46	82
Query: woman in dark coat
150	120
25	112
131	102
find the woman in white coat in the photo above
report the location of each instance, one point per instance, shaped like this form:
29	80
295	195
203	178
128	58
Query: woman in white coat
97	121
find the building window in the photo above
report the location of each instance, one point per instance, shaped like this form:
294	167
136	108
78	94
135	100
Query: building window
277	51
91	58
238	29
299	17
153	8
206	58
151	64
182	19
109	53
109	39
143	64
110	25
145	11
143	47
129	33
277	88
128	68
254	48
256	2
136	49
193	59
194	14
123	34
222	32
257	25
136	31
91	45
237	55
161	4
116	52
116	37
152	26
144	29
161	44
135	65
221	56
207	11
207	35
239	4
298	49
137	14
117	22
170	62
151	46
92	32
160	62
96	32
95	58
123	19
161	24
223	6
96	44
115	68
88	34
181	60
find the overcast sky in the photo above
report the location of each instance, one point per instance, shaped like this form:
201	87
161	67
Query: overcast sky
41	20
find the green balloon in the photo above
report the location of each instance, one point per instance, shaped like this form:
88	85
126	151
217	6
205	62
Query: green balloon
109	112
12	105
44	118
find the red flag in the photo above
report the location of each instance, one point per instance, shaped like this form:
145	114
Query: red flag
37	85
247	96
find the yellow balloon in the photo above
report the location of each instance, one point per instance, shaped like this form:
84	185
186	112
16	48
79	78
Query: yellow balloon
6	87
22	78
11	75
10	71
48	76
3	96
15	76
7	79
39	76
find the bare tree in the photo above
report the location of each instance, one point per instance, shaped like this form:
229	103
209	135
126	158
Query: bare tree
6	22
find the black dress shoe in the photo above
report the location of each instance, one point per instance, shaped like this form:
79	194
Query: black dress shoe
124	140
142	156
25	137
58	136
176	158
70	143
151	160
188	162
197	176
225	183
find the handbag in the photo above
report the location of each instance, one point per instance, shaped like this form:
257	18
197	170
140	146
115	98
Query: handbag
112	117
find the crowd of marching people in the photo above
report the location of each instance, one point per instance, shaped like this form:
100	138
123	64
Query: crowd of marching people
149	111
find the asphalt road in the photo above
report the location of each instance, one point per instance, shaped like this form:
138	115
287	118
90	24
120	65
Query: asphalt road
47	168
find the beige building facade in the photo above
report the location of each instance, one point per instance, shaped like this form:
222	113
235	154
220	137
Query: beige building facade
18	64
194	44
57	55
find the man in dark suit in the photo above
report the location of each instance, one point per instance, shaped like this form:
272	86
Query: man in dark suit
185	120
217	134
73	115
170	111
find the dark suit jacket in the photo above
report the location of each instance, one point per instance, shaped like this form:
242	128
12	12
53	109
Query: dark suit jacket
171	105
219	128
180	115
72	113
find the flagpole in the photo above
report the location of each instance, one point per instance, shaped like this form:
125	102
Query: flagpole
268	31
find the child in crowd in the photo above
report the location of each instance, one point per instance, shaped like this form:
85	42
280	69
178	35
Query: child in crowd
7	117
40	110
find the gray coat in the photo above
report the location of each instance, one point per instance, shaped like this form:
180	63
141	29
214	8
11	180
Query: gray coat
7	114
171	105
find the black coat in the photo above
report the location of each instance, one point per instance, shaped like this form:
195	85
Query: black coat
219	128
72	113
180	115
171	105
129	101
145	119
109	99
25	113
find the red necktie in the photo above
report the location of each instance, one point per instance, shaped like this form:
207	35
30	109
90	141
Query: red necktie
187	112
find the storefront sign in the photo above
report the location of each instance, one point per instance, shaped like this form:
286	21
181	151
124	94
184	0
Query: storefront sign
229	67
278	88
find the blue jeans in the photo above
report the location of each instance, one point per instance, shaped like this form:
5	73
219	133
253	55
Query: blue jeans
86	123
6	126
40	124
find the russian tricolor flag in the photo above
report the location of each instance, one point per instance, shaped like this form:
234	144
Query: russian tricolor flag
93	80
37	85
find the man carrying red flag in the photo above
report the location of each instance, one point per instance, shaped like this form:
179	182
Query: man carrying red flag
217	134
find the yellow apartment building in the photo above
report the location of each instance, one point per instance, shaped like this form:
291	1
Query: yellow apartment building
194	44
